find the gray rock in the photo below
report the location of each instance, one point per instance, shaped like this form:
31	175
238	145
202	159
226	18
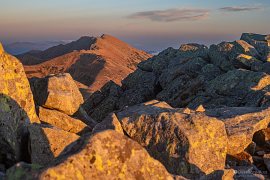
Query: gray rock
193	50
260	42
101	103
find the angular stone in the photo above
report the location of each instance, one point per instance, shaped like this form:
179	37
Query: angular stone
223	54
262	137
248	62
160	62
17	110
139	86
241	124
84	117
47	142
220	55
110	122
63	121
181	82
242	47
108	155
58	92
234	88
14	84
187	144
193	50
260	42
103	102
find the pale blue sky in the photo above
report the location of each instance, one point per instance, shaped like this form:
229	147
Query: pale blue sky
148	24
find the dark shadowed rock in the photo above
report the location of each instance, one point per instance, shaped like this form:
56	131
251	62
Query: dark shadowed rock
266	159
262	137
13	129
84	117
110	122
139	87
181	82
248	62
223	54
187	144
58	92
260	42
102	102
160	62
234	88
23	170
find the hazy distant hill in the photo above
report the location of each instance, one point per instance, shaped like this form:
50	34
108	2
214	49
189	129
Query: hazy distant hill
23	47
91	61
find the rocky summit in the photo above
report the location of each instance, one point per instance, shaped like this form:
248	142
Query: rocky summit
196	112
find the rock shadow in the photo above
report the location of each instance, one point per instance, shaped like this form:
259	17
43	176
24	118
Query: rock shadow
86	63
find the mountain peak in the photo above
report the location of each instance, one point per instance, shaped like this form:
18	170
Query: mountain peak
1	48
104	36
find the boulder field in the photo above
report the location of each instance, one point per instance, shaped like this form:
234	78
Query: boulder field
196	112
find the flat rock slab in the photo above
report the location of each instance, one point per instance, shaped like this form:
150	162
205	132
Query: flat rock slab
63	121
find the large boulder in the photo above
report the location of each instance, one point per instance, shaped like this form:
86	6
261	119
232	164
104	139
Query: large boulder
223	54
160	62
241	124
58	92
47	142
17	110
189	144
248	62
260	42
108	155
180	82
139	87
63	121
14	84
193	50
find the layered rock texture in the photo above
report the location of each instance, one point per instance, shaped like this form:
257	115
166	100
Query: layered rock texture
91	61
193	112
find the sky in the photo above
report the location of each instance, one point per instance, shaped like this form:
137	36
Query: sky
146	24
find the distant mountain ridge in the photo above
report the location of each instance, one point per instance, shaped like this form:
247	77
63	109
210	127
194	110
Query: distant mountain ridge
37	57
91	61
17	48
